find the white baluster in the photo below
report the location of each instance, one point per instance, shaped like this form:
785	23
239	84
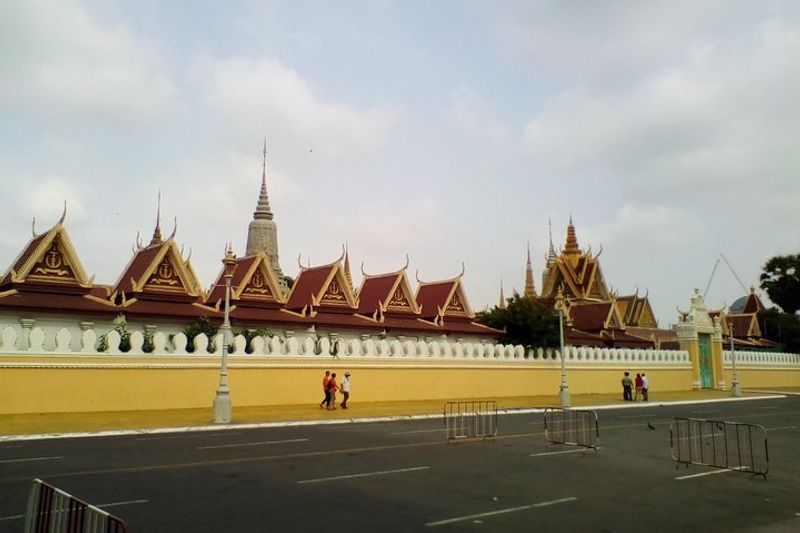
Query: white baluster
200	344
88	341
112	342
179	342
63	340
160	343
9	338
137	342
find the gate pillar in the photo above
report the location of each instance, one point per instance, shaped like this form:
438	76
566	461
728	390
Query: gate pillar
691	325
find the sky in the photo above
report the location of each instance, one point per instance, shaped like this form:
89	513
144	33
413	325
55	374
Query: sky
449	131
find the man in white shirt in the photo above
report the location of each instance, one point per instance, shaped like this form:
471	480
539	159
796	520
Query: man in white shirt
345	388
645	386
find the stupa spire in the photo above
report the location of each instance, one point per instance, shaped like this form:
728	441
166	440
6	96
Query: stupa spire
530	290
347	272
157	239
263	210
502	303
551	250
571	246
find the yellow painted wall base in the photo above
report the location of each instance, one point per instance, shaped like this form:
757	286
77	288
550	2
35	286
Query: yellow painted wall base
88	383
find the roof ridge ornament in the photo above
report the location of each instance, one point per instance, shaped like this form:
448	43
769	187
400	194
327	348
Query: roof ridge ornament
64	214
33	228
174	230
157	231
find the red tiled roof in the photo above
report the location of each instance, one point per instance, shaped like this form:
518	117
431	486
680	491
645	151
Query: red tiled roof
243	265
753	304
741	325
621	339
266	316
24	256
374	291
590	317
470	328
137	267
410	324
432	296
661	334
168	309
308	284
577	337
55	302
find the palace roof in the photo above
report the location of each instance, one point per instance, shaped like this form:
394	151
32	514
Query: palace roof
253	283
321	287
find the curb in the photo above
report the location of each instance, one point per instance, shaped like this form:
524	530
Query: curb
364	420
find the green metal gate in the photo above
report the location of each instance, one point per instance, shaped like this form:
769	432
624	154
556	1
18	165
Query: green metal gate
706	371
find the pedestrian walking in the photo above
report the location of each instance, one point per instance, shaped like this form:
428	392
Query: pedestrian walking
638	384
645	386
345	389
332	388
627	385
325	380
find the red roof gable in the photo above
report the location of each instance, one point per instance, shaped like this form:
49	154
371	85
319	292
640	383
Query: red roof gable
136	268
433	296
590	317
243	265
308	284
375	291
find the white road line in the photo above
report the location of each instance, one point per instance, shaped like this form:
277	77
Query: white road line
709	473
578	450
500	511
187	436
29	459
367	474
438	430
640	416
780	428
113	504
706	412
287	441
773	407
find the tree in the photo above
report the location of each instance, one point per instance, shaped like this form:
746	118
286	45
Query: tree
782	328
780	277
525	321
201	325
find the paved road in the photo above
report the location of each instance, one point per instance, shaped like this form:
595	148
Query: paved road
400	476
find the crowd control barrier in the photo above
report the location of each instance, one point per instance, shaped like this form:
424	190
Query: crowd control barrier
51	510
470	420
575	427
720	444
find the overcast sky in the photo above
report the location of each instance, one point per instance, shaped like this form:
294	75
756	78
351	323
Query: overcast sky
449	131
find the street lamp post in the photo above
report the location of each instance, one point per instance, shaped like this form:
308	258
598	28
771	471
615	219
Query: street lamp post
222	399
736	389
564	388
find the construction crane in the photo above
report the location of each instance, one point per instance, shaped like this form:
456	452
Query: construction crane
714	271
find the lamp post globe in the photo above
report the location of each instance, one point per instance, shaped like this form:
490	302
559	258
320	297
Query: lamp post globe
222	399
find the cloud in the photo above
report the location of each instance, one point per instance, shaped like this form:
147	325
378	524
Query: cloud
250	96
473	115
65	62
47	202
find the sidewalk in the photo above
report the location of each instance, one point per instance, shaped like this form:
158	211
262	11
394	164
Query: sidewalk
189	419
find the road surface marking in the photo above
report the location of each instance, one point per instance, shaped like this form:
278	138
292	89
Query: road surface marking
562	451
192	435
710	473
640	416
381	473
500	511
439	430
287	441
29	459
780	428
706	412
104	505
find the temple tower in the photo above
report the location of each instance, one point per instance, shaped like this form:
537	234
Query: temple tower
262	234
530	290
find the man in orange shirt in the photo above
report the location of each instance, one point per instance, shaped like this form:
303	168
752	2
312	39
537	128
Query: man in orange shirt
325	388
332	388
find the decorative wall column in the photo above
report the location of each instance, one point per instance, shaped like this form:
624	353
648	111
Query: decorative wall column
690	327
716	354
25	339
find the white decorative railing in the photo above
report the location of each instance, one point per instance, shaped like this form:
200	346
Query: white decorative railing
35	341
761	358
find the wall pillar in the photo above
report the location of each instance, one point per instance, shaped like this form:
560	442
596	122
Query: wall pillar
716	354
25	338
689	341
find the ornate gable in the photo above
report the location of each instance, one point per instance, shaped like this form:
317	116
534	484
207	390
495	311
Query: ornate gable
401	299
160	269
49	258
164	278
336	290
259	283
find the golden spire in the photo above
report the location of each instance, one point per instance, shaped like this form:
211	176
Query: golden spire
530	291
551	250
571	247
157	232
502	303
347	273
263	210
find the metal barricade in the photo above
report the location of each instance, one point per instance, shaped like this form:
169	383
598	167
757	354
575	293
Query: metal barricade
51	510
470	420
575	427
720	444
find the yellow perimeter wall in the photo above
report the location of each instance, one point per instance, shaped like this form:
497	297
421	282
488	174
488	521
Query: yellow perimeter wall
89	383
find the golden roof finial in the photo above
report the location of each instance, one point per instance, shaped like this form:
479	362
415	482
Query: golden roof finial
530	290
571	246
157	232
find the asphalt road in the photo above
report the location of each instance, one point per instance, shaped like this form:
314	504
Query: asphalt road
401	476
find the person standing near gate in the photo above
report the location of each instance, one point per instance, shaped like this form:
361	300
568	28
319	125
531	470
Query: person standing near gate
325	380
627	385
645	386
332	388
345	389
638	384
